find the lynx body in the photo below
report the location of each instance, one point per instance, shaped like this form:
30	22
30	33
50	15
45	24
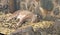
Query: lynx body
23	16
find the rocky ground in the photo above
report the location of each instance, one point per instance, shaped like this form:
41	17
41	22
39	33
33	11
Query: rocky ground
47	26
43	27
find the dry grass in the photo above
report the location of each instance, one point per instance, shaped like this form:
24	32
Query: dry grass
8	27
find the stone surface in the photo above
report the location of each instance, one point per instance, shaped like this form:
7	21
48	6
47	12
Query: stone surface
47	4
57	2
56	11
1	34
49	18
24	31
4	6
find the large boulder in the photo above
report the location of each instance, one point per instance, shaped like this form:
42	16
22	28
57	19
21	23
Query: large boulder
47	4
23	31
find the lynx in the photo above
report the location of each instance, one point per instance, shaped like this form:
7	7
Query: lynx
23	16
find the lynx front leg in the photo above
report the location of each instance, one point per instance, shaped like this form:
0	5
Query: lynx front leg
20	22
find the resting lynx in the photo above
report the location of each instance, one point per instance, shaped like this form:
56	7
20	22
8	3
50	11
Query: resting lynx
23	16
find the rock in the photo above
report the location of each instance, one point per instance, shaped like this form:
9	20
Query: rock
49	18
4	6
43	33
37	32
47	4
2	34
57	2
11	5
57	26
7	6
24	31
56	11
57	23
